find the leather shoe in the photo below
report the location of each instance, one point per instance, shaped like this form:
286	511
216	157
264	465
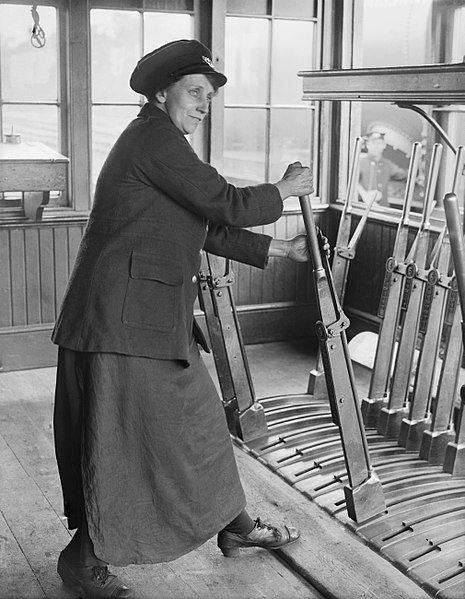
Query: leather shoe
262	535
92	582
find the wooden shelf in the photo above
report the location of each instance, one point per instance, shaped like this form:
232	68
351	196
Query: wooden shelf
423	84
34	170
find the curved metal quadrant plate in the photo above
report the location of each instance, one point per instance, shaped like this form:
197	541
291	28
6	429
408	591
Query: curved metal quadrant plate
422	529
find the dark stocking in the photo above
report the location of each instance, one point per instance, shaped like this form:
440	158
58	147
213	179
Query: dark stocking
242	524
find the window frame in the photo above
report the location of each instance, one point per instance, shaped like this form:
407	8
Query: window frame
74	86
61	103
219	14
139	100
370	84
80	118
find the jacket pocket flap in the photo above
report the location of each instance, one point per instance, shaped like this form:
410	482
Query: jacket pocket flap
155	268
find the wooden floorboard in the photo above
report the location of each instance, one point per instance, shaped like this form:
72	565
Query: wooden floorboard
33	531
17	578
37	529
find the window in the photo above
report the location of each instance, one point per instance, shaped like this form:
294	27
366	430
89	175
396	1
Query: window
31	107
75	99
266	125
452	117
417	32
118	39
29	75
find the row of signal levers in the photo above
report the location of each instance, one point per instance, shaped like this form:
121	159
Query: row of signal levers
394	462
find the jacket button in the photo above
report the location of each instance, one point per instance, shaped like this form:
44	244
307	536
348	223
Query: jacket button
194	279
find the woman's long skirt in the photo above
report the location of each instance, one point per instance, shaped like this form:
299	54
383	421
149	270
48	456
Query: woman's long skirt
143	447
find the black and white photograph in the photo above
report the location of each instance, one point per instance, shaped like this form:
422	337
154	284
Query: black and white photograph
232	299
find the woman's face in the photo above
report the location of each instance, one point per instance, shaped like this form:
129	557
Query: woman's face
187	101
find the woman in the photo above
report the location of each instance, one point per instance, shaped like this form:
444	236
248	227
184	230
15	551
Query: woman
143	450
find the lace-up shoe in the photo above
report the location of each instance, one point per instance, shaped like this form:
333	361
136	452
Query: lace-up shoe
262	535
92	582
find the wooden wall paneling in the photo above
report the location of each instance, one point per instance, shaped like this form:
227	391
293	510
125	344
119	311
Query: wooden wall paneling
261	291
245	276
47	270
35	267
6	315
281	265
366	273
242	283
303	283
239	274
26	347
252	278
364	270
267	276
32	273
60	249
285	282
18	278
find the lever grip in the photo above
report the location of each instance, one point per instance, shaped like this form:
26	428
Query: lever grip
310	228
451	209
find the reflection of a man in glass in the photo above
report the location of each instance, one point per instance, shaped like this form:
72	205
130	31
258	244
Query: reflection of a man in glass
375	169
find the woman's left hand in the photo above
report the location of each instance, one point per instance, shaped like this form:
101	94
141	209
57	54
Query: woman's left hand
299	250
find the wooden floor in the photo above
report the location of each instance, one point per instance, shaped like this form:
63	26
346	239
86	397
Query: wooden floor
33	531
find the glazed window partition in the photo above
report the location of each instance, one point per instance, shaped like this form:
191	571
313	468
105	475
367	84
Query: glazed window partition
118	39
266	123
417	32
30	98
29	76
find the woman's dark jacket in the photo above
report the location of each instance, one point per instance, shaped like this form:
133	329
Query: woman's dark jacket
156	206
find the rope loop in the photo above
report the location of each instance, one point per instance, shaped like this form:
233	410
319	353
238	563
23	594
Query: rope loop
38	34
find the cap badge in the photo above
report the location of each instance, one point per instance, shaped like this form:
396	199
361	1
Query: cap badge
208	61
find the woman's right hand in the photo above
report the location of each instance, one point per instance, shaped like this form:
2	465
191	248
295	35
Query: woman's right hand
296	181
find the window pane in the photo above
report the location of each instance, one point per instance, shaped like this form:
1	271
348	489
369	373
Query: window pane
294	8
115	52
458	43
400	129
161	28
246	60
107	124
248	7
457	134
28	73
291	139
402	26
457	125
292	52
33	123
244	146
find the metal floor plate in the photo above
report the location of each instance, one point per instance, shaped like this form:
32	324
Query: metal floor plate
422	530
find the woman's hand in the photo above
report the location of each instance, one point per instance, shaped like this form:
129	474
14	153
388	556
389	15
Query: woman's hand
296	181
297	248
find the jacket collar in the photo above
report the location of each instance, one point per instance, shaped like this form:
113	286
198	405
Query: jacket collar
149	110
